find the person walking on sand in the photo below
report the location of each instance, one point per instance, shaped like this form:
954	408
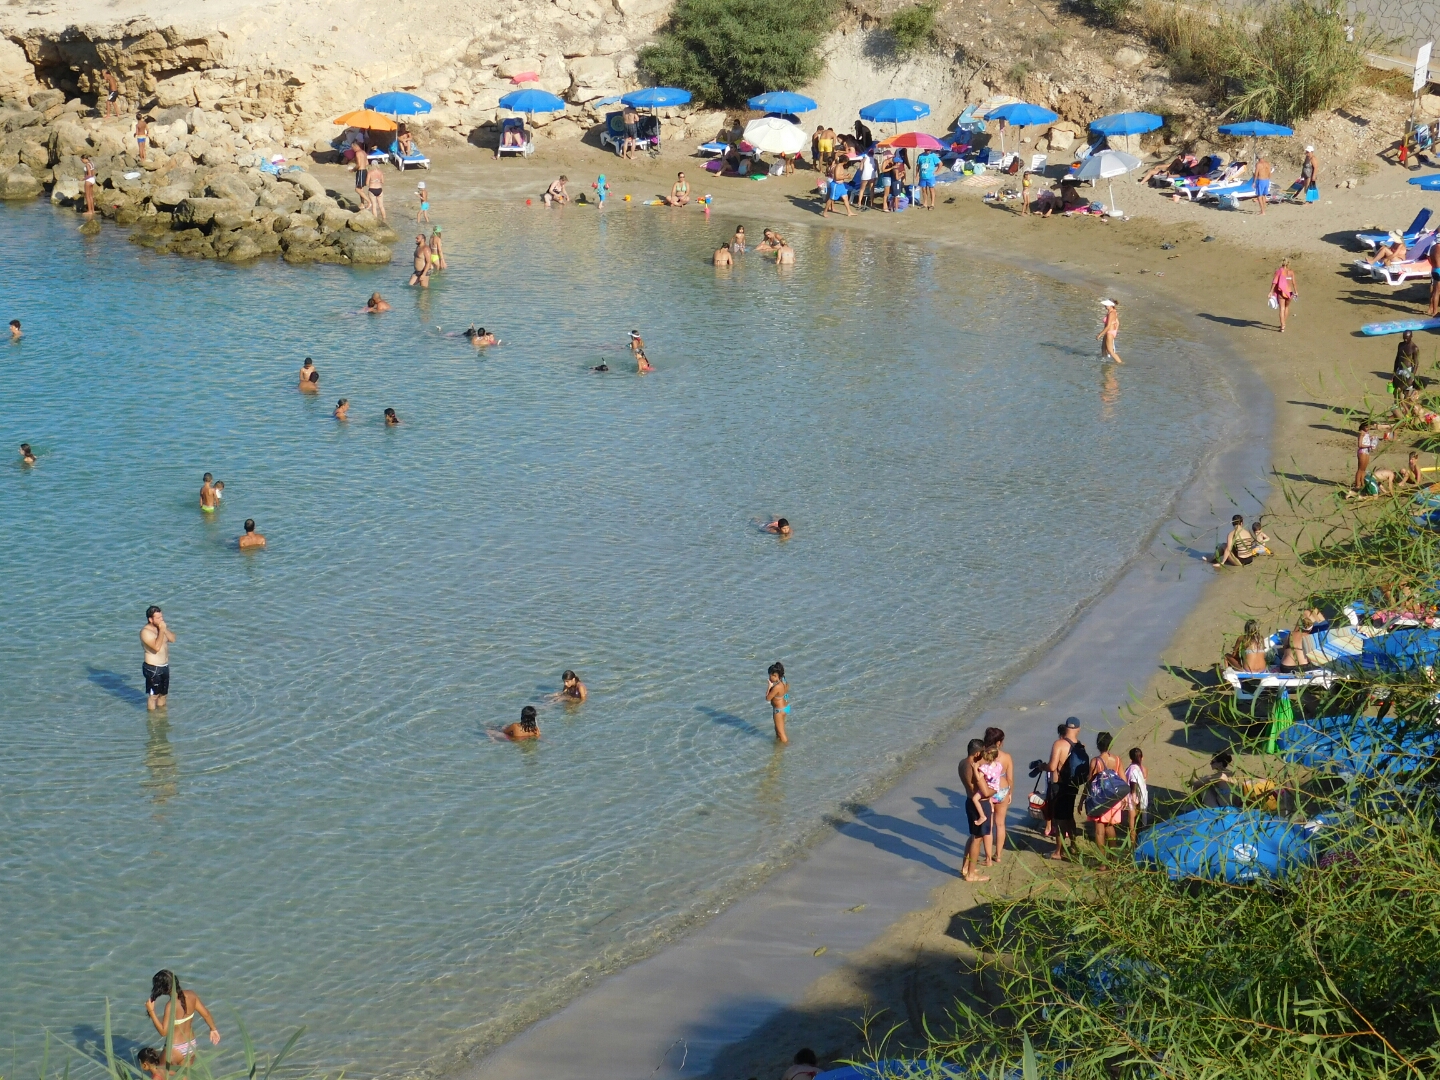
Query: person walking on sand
775	693
1068	766
1105	762
1367	440
142	137
978	812
1309	175
156	637
1106	337
1263	172
421	276
999	770
375	180
89	184
1282	290
179	1012
1139	791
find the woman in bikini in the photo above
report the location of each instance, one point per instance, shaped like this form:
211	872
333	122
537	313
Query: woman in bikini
998	768
775	694
1106	337
1282	288
1106	823
679	192
180	1010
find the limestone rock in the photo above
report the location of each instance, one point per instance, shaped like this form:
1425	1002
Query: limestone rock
68	138
280	198
332	220
363	249
231	219
199	212
232	187
178	90
299	237
16	72
65	192
217	155
126	215
363	222
305	182
242	248
44	100
1062	139
35	154
302	221
90	228
508	69
1128	58
170	196
641	9
20	183
384	234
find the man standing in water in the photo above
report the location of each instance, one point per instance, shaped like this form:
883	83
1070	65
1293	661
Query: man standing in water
208	501
250	538
156	637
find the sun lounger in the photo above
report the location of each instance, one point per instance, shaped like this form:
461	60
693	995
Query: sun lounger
527	141
1248	684
647	133
377	156
1373	240
713	149
413	160
1415	267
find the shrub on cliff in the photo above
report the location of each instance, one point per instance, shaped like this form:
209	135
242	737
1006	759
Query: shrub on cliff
913	27
724	51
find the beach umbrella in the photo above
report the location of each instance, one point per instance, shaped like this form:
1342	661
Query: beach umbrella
1106	165
1020	114
914	140
657	97
781	101
1255	129
1426	183
367	120
1127	123
531	101
398	103
771	135
894	111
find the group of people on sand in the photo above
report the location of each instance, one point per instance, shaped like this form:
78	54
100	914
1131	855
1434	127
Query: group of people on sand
883	173
771	243
1113	792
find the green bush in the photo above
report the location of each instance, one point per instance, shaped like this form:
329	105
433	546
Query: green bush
1296	61
913	27
724	51
1103	12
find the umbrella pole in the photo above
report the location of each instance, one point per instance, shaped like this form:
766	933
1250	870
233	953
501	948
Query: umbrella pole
1114	210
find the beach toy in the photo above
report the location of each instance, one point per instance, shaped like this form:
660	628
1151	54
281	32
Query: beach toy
1399	326
627	198
527	202
706	200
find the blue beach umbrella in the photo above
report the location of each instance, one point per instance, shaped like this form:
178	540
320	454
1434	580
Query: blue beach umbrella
398	103
1426	183
1225	845
1020	114
531	101
781	101
657	97
894	111
1127	123
1255	129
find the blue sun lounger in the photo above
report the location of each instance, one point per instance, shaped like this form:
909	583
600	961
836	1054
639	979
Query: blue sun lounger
413	160
1373	240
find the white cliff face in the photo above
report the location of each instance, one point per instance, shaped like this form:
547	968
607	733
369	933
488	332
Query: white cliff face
302	63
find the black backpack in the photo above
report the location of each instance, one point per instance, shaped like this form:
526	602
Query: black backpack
1076	768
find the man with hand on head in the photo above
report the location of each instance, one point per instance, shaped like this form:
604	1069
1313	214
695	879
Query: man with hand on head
156	637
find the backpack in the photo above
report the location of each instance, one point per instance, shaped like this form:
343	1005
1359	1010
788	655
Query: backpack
1075	767
1107	791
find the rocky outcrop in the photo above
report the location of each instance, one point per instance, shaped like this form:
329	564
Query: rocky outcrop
213	202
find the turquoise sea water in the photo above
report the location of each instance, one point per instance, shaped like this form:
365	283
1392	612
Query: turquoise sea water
320	831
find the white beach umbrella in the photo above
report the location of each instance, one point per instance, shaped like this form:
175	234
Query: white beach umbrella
772	135
1106	165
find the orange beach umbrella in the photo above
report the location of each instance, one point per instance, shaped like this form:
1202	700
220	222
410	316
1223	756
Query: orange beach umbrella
366	119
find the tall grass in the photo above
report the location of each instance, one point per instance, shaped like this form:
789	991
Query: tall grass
1279	63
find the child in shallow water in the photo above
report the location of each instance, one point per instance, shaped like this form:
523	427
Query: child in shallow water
775	694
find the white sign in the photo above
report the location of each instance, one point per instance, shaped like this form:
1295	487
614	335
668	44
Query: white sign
1422	68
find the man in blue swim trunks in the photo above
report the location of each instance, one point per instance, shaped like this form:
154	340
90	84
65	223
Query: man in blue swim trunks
928	164
1263	171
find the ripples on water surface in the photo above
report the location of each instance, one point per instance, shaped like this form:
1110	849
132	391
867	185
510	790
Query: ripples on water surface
320	831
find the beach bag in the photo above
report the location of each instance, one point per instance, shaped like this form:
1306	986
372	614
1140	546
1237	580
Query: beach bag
1372	487
1037	800
1107	791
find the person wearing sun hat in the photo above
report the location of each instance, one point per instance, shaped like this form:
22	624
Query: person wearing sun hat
1106	337
1392	251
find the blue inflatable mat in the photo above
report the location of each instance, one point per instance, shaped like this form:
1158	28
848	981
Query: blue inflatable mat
1225	845
1349	747
1398	326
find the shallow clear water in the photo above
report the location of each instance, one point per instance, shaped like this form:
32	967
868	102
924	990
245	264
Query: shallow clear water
321	831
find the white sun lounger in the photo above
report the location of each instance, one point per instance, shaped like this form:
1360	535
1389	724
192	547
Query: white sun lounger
1248	684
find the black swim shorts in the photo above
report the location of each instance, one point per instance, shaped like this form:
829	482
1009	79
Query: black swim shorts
114	96
978	826
157	679
359	179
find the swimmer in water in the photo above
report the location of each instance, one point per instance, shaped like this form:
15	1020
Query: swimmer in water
780	527
15	334
309	376
342	409
770	240
571	688
481	337
775	694
642	363
722	256
390	418
376	304
637	343
207	494
527	728
27	456
602	366
784	255
251	539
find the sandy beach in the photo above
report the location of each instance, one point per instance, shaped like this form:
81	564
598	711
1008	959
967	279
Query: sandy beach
902	971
